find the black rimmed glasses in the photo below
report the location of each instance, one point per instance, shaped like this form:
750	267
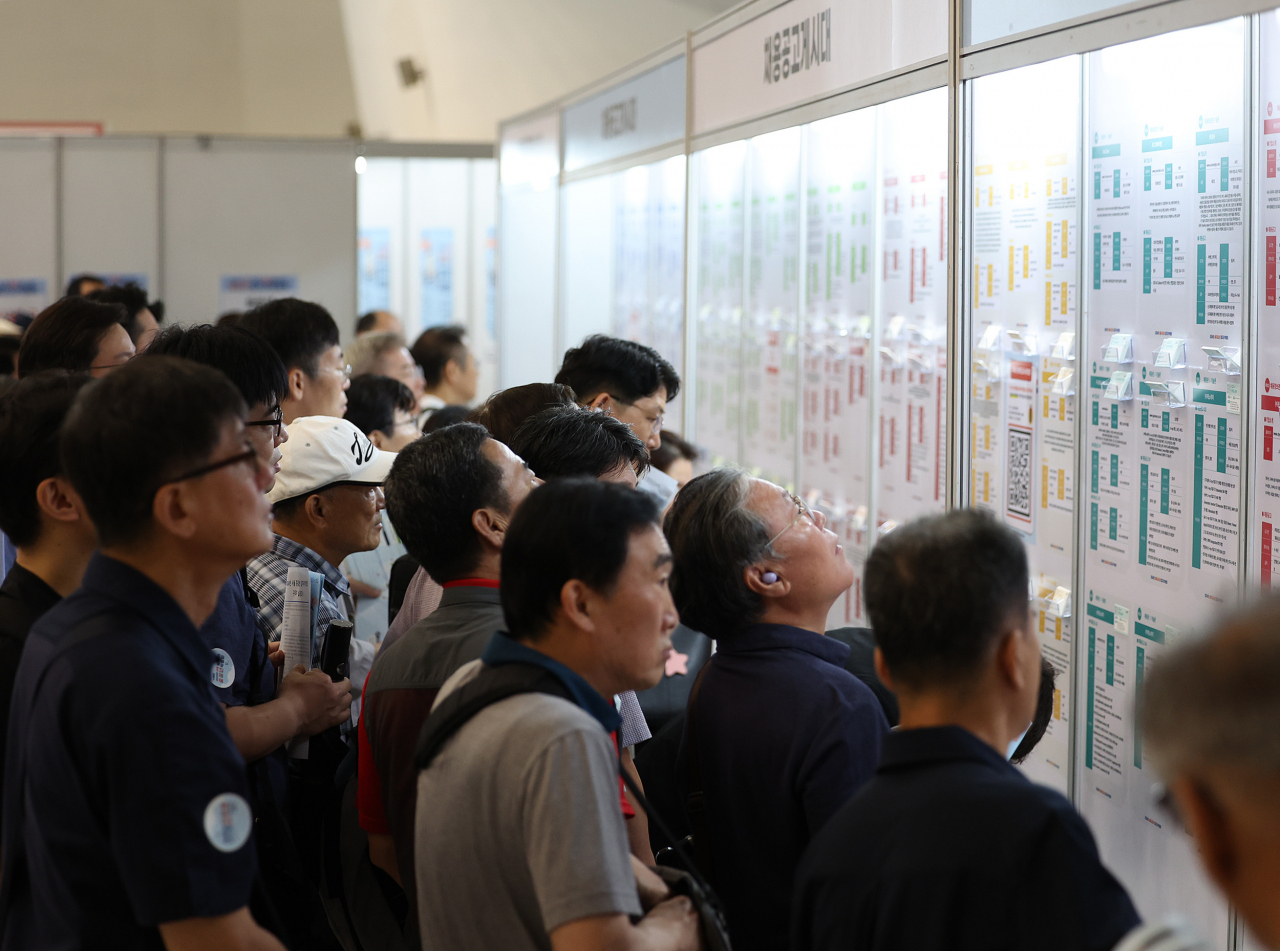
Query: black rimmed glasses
249	454
802	511
275	422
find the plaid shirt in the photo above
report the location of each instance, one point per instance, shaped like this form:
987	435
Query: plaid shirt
268	574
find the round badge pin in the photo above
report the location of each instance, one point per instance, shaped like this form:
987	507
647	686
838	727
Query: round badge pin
228	822
223	672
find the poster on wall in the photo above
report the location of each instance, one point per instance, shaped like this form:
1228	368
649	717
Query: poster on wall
373	269
435	271
23	296
490	281
1024	209
1161	392
241	292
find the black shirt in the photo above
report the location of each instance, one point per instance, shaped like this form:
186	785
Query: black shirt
785	737
23	598
950	847
124	798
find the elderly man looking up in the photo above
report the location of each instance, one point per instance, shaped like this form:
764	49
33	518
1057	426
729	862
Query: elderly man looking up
778	735
1210	712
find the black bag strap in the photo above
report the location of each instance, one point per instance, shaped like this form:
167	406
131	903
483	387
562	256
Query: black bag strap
492	685
695	802
498	683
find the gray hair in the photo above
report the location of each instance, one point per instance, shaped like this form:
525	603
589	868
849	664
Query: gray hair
1217	700
713	537
365	351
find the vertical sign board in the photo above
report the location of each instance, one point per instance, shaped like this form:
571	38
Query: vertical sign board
1160	388
528	167
1021	270
1264	508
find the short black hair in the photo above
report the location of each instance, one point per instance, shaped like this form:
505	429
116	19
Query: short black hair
133	299
31	415
373	400
367	322
433	487
673	447
120	443
940	590
435	347
73	285
572	441
505	411
65	335
624	369
246	359
447	416
714	535
299	330
565	530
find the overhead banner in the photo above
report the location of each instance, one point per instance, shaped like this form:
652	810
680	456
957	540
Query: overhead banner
805	49
642	113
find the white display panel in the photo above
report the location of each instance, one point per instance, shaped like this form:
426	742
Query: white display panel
911	406
841	217
1160	518
115	181
28	243
438	229
1264	507
769	328
381	246
1023	302
719	175
257	208
587	222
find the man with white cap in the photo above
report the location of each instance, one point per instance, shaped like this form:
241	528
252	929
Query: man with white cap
327	504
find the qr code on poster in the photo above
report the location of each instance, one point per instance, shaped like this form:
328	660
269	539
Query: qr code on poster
1018	493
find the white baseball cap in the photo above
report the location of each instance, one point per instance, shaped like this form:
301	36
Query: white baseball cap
324	451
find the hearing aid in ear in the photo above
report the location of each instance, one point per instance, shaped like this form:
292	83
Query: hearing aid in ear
769	577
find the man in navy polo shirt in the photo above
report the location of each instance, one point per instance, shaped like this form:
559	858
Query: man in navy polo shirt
950	847
778	735
126	820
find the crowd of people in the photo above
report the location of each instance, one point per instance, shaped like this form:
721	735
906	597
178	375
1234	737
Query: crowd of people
606	713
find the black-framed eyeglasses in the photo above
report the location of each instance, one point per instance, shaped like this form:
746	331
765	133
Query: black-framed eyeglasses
249	454
275	422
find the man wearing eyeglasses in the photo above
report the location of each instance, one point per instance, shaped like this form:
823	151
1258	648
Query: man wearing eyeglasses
118	743
632	383
306	338
778	734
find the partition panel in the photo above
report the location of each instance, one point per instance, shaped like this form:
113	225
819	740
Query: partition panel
29	278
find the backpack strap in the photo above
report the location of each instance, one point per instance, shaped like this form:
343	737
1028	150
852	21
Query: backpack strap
489	687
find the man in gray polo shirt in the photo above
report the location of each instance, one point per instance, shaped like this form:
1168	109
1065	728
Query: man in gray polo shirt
520	840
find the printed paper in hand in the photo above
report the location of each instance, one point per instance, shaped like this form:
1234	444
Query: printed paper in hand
295	634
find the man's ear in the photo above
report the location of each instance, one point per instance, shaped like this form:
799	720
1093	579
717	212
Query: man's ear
491	525
453	371
575	602
169	510
1209	826
1011	653
316	510
882	670
58	500
377	437
297	383
754	578
600	401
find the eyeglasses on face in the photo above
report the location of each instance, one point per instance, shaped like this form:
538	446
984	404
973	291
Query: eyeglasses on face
275	422
802	511
249	454
655	421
